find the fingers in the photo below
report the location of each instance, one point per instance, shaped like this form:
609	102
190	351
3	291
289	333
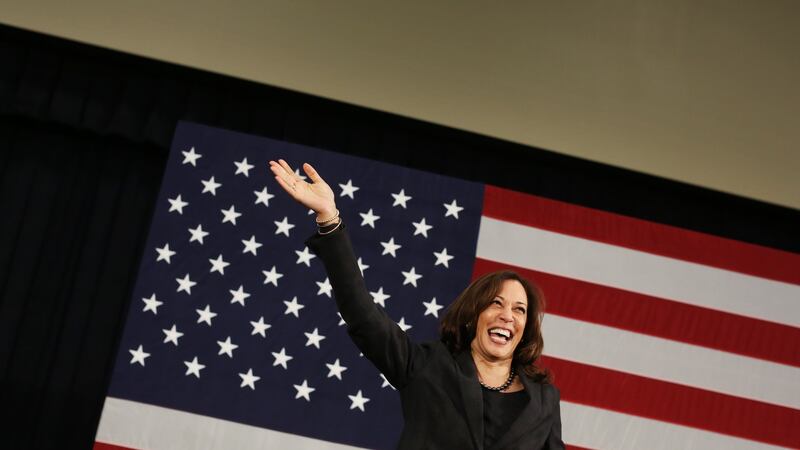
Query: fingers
312	173
287	168
287	180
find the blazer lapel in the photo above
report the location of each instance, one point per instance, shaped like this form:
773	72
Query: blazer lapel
523	423
471	396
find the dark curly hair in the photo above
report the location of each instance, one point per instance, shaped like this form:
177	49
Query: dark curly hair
461	318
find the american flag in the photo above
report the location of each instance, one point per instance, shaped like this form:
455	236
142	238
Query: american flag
658	337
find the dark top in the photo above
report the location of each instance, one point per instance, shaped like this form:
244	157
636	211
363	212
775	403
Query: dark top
499	411
439	391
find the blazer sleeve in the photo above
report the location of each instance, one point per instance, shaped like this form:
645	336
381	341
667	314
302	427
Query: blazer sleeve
554	441
378	337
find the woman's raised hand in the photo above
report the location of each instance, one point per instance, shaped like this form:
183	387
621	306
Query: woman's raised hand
317	195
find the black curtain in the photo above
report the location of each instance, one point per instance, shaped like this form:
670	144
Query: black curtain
84	134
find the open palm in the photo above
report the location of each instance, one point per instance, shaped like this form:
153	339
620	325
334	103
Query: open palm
316	195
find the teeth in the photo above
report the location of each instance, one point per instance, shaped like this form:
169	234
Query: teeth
505	333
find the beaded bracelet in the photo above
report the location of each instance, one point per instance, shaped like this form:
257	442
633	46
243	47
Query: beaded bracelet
323	233
322	223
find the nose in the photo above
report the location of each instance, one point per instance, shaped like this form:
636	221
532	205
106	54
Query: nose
506	315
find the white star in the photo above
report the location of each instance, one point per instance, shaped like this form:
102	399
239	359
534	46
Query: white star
172	335
379	297
191	157
411	277
368	218
314	338
271	275
304	257
324	287
251	245
403	325
164	254
198	234
341	319
218	265
230	215
227	347
281	358
151	304
401	198
298	174
138	355
335	370
293	307
348	189
243	167
390	247
194	367
361	266
432	308
263	196
248	379
176	204
442	258
205	315
421	227
386	383
304	390
239	295
210	185
283	226
452	209
358	401
260	327
185	284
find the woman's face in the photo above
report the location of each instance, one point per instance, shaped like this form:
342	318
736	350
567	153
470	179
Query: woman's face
501	324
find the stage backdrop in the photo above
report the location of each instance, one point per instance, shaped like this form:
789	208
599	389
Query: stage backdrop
658	337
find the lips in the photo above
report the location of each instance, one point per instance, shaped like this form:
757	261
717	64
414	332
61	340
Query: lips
500	335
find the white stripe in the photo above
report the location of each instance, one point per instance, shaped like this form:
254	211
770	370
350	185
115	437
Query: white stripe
586	426
668	360
637	271
142	426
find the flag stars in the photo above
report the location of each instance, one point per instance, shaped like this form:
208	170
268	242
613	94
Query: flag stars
386	383
401	198
205	315
362	266
239	295
210	185
251	246
172	335
442	258
249	379
368	218
379	297
293	307
165	254
230	215
304	390
227	347
185	284
198	234
151	304
304	257
403	325
218	265
138	355
452	209
411	277
177	204
335	369
271	276
260	327
390	247
421	227
281	358
348	189
432	308
194	367
283	226
263	197
191	157
358	401
243	167
324	287
314	338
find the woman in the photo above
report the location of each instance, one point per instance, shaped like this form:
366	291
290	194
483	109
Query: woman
476	388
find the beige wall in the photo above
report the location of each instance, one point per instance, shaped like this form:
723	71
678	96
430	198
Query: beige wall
700	91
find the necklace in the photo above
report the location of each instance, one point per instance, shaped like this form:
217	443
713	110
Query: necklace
503	386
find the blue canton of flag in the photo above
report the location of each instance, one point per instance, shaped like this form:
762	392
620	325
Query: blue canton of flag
232	316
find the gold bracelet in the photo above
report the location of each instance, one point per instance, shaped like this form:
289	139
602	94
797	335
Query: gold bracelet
322	223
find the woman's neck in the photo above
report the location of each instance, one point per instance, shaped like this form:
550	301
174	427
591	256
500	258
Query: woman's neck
491	372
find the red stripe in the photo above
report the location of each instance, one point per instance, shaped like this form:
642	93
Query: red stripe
662	318
641	235
675	403
104	446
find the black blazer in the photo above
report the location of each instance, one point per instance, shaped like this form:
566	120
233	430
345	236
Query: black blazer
440	395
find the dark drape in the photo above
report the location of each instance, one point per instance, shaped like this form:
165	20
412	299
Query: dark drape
84	134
